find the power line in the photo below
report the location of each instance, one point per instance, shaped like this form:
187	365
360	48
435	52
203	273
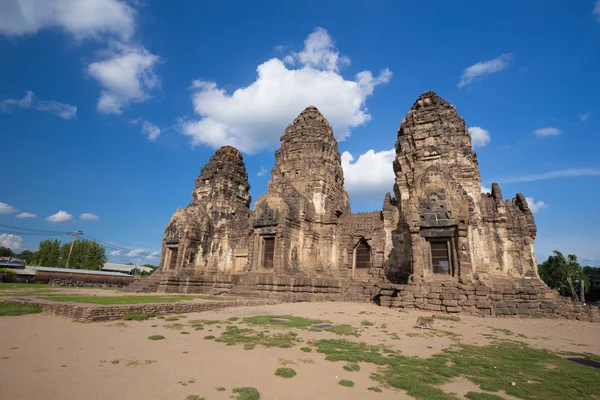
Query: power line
36	230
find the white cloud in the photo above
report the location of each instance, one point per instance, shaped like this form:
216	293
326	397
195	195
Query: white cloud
370	176
7	209
135	253
61	217
585	116
24	215
263	171
126	74
549	131
479	136
254	117
11	241
596	11
535	206
484	68
115	253
80	18
151	130
565	173
152	255
89	217
485	189
319	52
29	101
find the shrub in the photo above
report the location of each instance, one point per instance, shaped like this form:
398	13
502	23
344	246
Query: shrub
7	271
346	383
137	316
285	372
156	337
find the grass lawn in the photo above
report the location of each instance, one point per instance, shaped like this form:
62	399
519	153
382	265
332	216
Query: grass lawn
8	285
124	299
10	309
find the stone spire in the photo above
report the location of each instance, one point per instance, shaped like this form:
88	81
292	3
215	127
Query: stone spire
310	163
222	187
432	133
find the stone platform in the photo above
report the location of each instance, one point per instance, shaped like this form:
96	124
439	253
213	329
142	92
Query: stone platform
86	312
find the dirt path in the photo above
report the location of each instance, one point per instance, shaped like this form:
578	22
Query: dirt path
52	358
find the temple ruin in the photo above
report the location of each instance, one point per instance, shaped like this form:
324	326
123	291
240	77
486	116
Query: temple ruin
437	244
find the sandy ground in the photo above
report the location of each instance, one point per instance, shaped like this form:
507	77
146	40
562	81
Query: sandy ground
52	358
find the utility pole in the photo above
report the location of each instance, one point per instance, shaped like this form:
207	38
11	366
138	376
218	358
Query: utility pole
74	234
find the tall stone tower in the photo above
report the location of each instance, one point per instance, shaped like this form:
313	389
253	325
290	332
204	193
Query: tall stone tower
309	162
447	228
204	236
295	223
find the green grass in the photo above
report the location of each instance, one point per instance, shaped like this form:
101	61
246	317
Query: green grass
209	337
375	389
8	285
538	374
367	323
285	372
250	338
169	319
294	322
447	318
482	396
306	349
220	389
344	330
195	397
13	309
123	299
156	337
346	383
138	316
352	367
245	393
184	333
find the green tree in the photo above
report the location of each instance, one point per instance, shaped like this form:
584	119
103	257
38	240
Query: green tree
27	256
562	273
48	254
6	252
85	255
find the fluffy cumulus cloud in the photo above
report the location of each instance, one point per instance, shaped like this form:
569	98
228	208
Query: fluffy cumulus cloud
126	74
89	217
80	18
115	253
152	255
596	10
370	176
11	241
29	101
25	215
61	217
254	117
486	189
479	136
7	209
482	68
549	131
535	206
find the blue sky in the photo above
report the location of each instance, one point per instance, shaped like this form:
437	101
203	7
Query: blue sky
110	108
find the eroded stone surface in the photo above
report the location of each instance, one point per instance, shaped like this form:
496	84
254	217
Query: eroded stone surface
438	245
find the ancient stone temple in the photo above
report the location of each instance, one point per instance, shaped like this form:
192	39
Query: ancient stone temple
438	244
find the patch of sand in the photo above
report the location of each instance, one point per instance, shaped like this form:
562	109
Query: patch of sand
54	358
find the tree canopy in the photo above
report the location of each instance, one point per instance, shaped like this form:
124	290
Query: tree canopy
562	273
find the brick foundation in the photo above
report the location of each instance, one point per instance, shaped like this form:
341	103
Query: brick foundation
98	312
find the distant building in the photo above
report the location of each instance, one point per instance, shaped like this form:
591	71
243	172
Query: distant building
125	268
13	263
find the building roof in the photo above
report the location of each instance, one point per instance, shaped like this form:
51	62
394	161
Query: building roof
72	271
124	268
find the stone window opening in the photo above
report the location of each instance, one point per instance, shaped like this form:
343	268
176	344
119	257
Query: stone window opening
441	256
362	258
191	258
172	257
268	252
